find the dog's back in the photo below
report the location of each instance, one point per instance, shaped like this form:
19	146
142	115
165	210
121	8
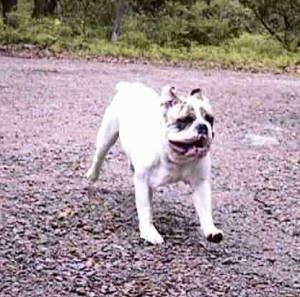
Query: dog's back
135	98
137	110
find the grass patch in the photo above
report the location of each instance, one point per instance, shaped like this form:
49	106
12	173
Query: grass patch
246	51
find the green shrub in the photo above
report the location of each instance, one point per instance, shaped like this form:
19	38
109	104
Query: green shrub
136	39
263	45
45	39
179	24
174	31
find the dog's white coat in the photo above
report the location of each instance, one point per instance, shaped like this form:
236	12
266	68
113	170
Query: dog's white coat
135	116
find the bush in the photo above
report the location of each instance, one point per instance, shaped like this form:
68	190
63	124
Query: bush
279	18
181	30
84	15
42	32
177	24
260	44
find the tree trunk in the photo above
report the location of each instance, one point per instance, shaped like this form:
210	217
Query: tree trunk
8	6
121	8
44	8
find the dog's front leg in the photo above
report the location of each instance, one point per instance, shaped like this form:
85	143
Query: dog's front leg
143	198
202	202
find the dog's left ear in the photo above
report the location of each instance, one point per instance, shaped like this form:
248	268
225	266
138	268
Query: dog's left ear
197	93
169	96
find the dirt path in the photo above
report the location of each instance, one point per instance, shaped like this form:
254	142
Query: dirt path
57	238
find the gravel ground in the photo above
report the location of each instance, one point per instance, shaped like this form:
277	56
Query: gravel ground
60	238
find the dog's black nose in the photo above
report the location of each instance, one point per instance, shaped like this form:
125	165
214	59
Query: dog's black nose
202	129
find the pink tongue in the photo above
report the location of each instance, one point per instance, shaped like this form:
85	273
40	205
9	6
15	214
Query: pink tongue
192	151
181	149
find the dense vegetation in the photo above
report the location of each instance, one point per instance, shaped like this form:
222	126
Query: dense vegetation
239	32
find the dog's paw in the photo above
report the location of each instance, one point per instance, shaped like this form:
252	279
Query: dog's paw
91	175
216	236
149	233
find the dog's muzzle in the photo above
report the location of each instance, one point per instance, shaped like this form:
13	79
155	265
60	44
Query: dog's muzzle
192	148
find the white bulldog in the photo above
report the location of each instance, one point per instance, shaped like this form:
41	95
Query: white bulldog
167	139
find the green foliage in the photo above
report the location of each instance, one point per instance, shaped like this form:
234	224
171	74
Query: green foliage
214	31
43	32
84	15
183	23
259	50
280	18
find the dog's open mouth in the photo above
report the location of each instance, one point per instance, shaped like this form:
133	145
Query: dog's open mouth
190	148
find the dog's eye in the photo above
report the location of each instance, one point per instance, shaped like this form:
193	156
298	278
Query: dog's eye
184	122
209	118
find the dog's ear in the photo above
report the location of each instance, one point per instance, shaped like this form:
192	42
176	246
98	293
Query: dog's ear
197	93
169	96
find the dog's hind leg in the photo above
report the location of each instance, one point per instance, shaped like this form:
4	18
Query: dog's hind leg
107	135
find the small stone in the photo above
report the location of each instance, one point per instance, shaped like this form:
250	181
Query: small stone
259	140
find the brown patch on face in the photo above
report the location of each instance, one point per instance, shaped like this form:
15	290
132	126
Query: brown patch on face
179	111
186	110
208	117
203	112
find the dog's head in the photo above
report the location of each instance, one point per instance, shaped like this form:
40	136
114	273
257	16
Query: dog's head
189	122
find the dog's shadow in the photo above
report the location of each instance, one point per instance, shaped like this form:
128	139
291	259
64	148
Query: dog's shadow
175	221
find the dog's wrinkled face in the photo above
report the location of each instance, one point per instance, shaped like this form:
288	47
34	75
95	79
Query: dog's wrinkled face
189	122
